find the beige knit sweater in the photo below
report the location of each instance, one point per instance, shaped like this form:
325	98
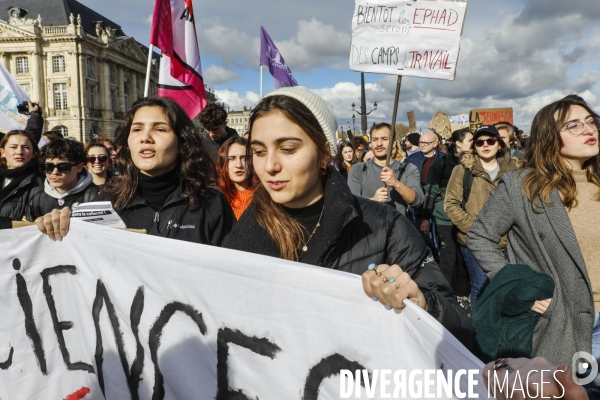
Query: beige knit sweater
585	219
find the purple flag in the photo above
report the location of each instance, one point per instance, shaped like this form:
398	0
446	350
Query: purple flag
269	55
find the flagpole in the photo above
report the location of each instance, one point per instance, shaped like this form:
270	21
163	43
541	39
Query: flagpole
148	67
261	81
394	114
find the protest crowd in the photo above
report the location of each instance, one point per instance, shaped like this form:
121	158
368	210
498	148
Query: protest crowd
470	234
490	233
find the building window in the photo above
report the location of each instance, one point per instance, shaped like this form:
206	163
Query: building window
60	96
126	95
111	73
90	67
62	129
22	65
26	88
113	101
91	97
137	83
58	64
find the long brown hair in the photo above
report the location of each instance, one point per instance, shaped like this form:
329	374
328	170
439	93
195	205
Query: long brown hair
546	168
196	171
34	145
224	181
339	158
285	231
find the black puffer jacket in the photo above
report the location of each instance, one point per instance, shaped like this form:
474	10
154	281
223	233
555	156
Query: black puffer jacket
361	232
42	203
207	222
13	207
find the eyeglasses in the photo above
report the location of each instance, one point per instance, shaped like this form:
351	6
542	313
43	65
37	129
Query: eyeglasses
490	142
63	168
577	128
92	159
425	143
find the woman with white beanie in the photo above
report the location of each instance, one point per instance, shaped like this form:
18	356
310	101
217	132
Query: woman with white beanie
304	211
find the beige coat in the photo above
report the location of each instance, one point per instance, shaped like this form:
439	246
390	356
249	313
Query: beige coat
480	191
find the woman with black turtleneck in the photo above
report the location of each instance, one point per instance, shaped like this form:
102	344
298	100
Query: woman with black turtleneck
166	179
19	177
303	210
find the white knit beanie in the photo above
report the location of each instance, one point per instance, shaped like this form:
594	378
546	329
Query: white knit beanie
318	107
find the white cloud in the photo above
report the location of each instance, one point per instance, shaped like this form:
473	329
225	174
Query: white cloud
216	75
235	101
315	45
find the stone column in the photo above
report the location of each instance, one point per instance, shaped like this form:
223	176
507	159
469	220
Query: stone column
35	75
3	60
104	91
121	93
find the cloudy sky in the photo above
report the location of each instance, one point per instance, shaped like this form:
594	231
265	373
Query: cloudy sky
514	53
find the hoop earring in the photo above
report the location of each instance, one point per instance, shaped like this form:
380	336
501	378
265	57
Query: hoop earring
324	171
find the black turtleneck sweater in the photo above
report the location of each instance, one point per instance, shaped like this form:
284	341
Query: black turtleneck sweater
308	218
156	189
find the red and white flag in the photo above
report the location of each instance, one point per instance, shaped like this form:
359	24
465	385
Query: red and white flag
174	33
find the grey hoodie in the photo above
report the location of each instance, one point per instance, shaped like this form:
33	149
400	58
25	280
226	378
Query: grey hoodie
83	182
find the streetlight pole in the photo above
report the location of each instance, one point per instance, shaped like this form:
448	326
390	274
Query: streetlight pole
353	126
363	106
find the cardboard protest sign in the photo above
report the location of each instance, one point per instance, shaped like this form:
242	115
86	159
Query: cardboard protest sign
407	37
440	123
489	116
116	315
412	121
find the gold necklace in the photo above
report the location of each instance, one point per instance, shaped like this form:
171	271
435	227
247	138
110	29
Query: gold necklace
305	247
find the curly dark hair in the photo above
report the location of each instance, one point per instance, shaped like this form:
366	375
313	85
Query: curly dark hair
213	115
196	171
63	148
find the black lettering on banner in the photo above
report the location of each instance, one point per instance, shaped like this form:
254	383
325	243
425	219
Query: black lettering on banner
327	367
30	327
154	340
6	364
254	344
60	326
137	307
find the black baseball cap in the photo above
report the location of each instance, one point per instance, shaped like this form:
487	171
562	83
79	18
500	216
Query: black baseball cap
486	130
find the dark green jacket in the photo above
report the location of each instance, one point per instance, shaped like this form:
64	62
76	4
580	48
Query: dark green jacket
435	188
503	318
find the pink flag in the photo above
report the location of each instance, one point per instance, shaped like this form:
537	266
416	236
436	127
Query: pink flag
180	76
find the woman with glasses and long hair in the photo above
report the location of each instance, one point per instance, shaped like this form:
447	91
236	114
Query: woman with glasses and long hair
303	211
235	180
468	189
98	161
166	179
550	212
345	158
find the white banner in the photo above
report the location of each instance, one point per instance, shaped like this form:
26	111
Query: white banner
142	317
407	37
11	94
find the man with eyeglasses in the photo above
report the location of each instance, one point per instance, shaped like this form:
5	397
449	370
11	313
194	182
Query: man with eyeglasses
214	120
67	182
423	160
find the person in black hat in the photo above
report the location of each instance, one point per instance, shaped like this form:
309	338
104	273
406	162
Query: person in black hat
411	143
469	187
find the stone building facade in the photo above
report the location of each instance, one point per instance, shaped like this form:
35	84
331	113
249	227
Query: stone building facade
80	65
239	120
